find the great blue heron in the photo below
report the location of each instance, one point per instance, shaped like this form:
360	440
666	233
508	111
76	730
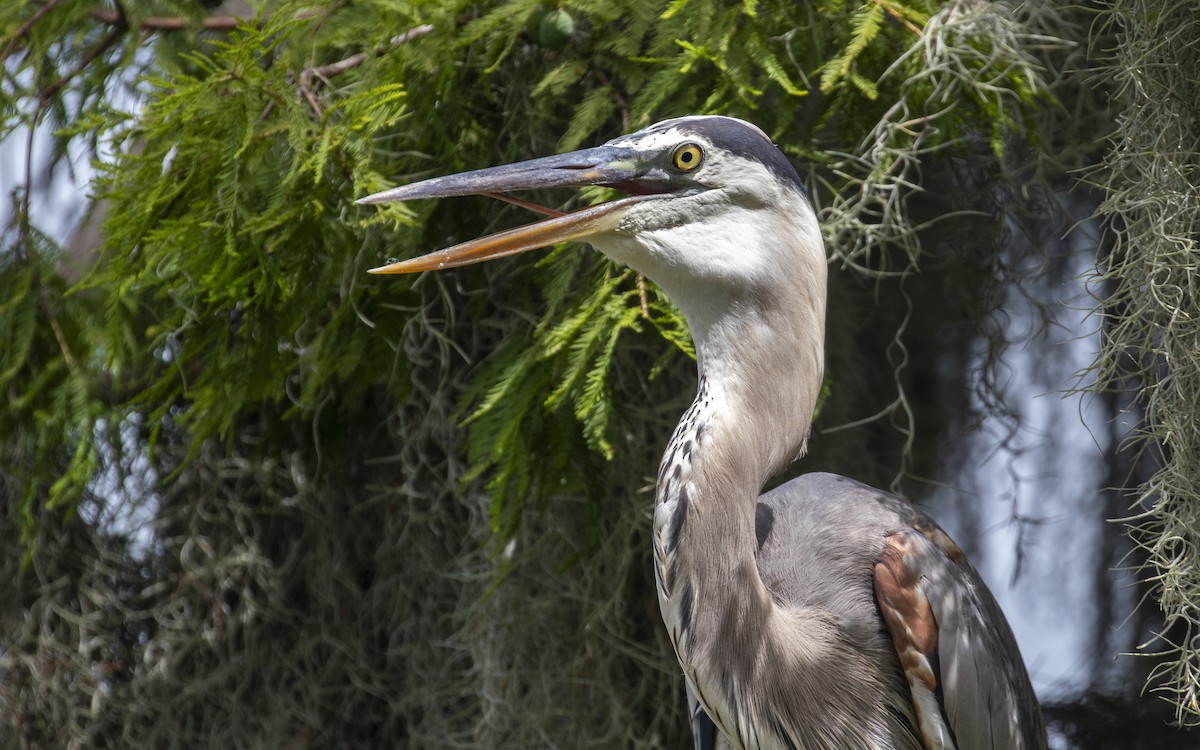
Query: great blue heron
823	614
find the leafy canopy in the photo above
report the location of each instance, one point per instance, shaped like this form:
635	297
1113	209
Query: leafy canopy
231	275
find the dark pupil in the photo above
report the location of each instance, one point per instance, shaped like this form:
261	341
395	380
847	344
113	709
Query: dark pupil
685	157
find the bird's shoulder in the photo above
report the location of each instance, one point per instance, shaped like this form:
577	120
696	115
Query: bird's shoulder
818	511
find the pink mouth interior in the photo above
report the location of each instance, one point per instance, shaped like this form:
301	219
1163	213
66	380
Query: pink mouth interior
530	205
629	188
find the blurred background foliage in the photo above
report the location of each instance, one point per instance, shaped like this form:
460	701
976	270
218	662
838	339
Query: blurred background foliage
255	497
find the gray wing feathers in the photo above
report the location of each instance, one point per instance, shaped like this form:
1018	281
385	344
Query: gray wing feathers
989	701
820	530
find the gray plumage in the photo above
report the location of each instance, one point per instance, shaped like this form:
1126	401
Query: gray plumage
819	533
824	615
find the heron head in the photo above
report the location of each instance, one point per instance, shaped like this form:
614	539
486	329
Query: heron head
715	215
712	210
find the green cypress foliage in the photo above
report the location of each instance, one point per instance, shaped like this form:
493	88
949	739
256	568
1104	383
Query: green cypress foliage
232	269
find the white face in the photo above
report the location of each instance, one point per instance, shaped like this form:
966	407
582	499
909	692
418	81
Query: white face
730	231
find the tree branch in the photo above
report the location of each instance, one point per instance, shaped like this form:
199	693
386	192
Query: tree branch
338	67
113	35
898	16
155	23
167	23
43	98
24	28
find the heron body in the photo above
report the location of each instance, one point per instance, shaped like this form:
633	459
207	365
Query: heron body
823	614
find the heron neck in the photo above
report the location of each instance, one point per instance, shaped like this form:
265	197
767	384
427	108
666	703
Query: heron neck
760	372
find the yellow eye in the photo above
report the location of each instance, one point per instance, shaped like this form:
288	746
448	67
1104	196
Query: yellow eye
687	157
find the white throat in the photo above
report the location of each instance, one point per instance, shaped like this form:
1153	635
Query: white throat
749	276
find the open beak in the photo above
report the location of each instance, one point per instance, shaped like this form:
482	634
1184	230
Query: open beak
603	165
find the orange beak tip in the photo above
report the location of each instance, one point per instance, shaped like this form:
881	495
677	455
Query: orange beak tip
389	269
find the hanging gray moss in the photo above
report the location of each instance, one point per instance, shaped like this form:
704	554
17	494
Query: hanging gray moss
1150	282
